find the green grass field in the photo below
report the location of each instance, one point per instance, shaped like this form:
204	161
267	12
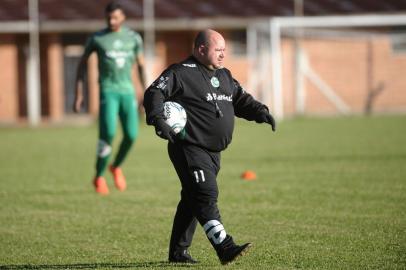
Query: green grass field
330	194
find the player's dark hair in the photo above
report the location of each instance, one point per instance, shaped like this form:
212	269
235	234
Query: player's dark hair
112	6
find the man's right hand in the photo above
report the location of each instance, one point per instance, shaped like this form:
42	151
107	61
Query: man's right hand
79	83
164	131
78	104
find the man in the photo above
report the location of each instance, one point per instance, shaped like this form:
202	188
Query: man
117	48
211	98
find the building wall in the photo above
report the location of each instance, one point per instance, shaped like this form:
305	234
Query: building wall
8	79
351	67
54	77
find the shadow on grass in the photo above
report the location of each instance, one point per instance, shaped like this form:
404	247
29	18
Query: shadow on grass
160	264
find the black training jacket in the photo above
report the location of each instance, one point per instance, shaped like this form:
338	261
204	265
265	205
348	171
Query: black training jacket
192	85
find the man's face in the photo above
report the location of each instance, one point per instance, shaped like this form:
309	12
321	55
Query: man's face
214	52
115	19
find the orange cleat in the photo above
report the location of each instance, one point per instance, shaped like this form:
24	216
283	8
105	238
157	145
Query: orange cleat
101	185
119	178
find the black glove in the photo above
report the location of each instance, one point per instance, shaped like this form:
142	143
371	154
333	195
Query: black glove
164	131
265	117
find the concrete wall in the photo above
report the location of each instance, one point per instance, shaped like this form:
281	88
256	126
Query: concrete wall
8	79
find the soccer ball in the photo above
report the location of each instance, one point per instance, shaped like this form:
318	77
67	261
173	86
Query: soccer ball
175	116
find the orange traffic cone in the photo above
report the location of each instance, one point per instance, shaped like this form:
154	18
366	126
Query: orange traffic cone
249	175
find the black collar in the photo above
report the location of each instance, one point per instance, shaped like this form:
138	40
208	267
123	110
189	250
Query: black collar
209	72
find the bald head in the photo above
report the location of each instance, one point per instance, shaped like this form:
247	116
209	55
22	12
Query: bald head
204	36
209	48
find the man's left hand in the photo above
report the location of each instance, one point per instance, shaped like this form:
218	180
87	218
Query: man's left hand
265	117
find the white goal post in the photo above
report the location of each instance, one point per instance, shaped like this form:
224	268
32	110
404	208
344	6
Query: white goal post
277	24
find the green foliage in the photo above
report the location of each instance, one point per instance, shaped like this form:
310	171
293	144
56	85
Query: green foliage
330	194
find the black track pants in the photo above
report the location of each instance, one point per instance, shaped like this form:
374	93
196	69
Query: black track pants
197	169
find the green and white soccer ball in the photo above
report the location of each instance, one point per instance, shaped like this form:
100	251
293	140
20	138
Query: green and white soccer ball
175	116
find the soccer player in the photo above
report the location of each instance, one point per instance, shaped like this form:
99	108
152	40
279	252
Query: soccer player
211	98
118	48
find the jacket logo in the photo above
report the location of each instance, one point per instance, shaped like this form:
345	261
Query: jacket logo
161	82
189	65
214	96
215	82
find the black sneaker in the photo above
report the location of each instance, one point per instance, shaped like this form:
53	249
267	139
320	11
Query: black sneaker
230	254
182	257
